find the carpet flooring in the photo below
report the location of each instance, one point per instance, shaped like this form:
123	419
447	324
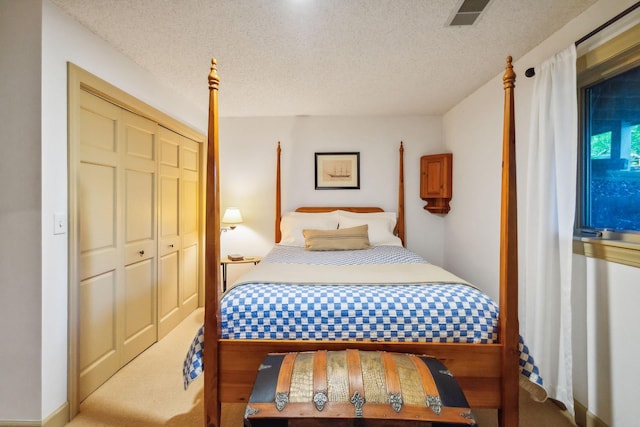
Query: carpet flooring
149	392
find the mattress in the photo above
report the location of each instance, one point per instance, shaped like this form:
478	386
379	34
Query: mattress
356	299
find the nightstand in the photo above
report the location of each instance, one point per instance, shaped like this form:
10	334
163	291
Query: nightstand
226	261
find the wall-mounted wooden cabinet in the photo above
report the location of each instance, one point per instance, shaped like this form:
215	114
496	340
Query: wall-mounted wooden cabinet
435	182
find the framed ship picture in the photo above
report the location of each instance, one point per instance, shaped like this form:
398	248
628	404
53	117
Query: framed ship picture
337	171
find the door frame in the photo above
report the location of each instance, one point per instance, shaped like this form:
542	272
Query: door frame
78	80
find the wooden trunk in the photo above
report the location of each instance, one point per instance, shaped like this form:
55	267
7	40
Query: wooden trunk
355	388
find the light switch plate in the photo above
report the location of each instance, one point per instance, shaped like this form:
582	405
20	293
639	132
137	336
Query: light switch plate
59	223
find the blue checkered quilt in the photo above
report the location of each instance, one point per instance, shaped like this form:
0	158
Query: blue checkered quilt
434	312
399	312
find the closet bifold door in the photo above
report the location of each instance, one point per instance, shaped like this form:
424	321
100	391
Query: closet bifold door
178	240
140	239
117	239
190	221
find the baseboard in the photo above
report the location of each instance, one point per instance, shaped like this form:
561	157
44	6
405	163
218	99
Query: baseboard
585	418
594	421
581	413
59	418
19	423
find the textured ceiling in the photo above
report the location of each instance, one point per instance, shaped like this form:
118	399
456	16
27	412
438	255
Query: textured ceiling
323	57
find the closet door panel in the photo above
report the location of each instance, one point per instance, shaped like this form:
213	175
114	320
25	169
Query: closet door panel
169	243
139	216
98	352
139	209
168	279
140	243
190	223
139	308
169	148
99	295
99	226
190	278
98	123
191	156
190	241
169	212
190	206
97	206
98	186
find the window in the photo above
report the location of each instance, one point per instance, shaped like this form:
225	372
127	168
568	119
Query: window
608	211
611	186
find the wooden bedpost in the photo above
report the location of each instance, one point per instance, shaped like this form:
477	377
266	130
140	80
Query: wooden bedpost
212	261
508	322
278	195
401	197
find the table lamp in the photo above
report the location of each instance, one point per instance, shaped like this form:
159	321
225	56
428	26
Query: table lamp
232	216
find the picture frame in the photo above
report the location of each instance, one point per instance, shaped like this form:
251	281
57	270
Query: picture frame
337	171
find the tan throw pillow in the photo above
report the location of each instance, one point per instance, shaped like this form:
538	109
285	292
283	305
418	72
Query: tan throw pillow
337	240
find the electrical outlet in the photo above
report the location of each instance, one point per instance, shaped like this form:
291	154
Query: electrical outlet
59	223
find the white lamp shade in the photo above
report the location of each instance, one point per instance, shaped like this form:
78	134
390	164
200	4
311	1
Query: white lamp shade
232	216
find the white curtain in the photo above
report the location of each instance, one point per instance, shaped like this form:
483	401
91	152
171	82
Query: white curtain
550	206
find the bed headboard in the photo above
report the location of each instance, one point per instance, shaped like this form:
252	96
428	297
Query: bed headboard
316	209
400	224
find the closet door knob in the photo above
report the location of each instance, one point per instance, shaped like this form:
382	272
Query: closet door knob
171	245
141	252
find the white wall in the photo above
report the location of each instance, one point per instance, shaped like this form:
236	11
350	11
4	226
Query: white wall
247	179
612	341
20	177
473	132
64	40
605	294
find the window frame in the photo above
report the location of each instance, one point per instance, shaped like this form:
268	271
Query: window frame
613	57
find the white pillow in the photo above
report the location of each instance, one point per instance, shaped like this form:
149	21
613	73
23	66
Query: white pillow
381	225
292	224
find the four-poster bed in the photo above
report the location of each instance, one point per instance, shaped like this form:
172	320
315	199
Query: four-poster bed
487	373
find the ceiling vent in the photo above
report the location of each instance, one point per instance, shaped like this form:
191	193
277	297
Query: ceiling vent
469	12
